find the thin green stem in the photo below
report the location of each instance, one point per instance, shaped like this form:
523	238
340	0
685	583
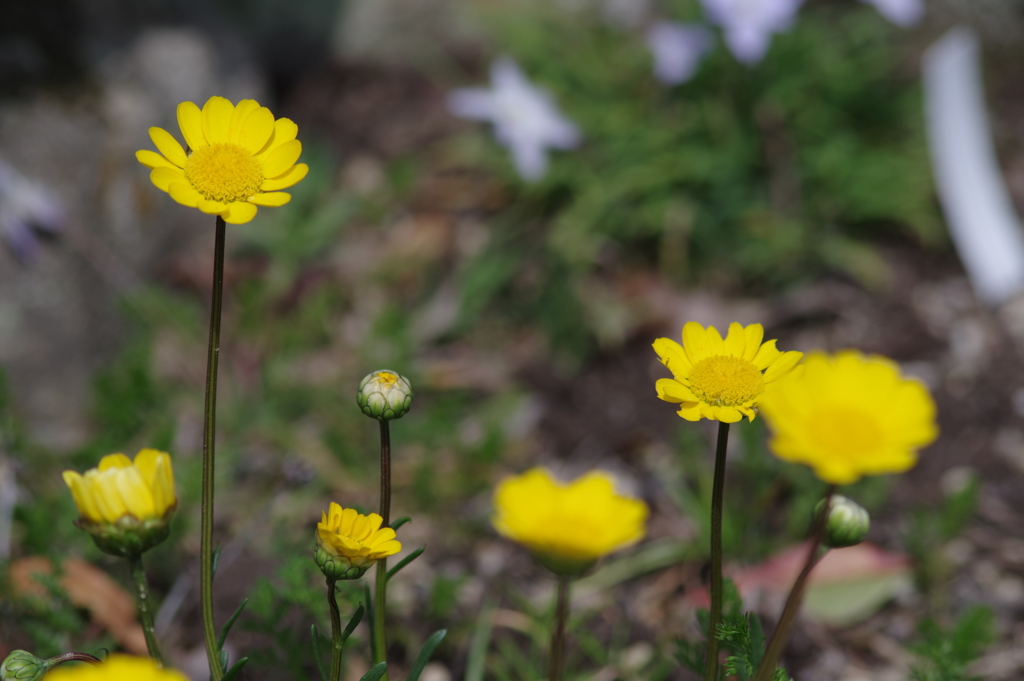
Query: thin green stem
717	492
145	611
209	431
72	657
338	644
558	630
781	634
380	599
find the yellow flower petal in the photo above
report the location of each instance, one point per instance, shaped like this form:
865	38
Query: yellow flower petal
164	177
736	341
782	366
754	335
290	177
190	120
239	213
695	342
114	461
256	129
217	119
766	354
153	160
672	355
212	207
168	146
238	116
184	194
282	158
135	493
671	390
284	131
271	199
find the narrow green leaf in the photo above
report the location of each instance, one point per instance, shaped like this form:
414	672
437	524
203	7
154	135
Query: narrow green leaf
369	618
405	561
230	674
223	659
425	652
481	640
230	623
214	561
357	616
401	521
376	671
316	652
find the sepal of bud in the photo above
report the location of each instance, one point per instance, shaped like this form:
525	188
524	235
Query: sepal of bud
340	567
848	523
22	665
129	536
384	395
571	568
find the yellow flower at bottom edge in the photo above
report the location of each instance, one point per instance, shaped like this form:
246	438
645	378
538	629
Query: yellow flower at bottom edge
567	526
849	415
116	668
348	543
721	379
238	158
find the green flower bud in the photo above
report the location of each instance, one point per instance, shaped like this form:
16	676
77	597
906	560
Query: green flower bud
847	523
22	665
129	536
340	567
384	395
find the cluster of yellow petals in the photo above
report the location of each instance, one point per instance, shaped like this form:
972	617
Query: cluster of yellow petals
237	158
721	379
849	415
579	521
117	668
357	537
119	487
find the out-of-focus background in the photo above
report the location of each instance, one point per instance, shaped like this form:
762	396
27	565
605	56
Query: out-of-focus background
792	188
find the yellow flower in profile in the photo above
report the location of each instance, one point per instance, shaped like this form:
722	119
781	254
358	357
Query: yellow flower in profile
567	526
348	543
117	668
238	158
848	415
126	505
721	379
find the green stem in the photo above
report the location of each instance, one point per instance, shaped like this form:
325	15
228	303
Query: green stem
335	632
781	634
380	599
145	612
209	428
717	492
72	657
558	630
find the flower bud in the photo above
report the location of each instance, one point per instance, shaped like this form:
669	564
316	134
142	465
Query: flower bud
126	506
847	523
384	395
348	543
22	665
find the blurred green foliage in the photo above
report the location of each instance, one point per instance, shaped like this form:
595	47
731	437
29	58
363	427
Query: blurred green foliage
945	652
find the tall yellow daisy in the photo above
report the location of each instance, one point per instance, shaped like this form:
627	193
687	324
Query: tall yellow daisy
117	668
849	415
237	158
721	379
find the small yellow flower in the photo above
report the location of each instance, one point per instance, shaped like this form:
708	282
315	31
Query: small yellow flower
117	668
721	379
126	506
848	415
567	526
237	158
348	543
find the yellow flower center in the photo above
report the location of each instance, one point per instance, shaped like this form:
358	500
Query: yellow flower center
846	431
726	381
386	378
224	172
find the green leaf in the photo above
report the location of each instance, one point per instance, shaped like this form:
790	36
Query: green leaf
478	645
405	561
353	622
230	623
401	521
376	671
425	652
230	674
316	652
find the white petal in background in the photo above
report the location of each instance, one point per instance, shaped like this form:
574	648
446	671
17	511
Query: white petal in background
750	24
27	210
677	50
985	228
904	13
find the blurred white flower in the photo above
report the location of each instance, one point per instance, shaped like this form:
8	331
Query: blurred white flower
900	12
749	24
525	118
677	49
27	209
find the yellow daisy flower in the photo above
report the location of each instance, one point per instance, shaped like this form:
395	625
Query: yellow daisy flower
567	526
848	415
237	158
120	487
721	379
348	542
117	668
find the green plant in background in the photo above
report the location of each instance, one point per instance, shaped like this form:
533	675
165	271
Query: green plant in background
946	652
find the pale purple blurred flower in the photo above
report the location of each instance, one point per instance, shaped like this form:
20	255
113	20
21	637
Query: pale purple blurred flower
749	24
524	116
677	50
900	12
27	209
